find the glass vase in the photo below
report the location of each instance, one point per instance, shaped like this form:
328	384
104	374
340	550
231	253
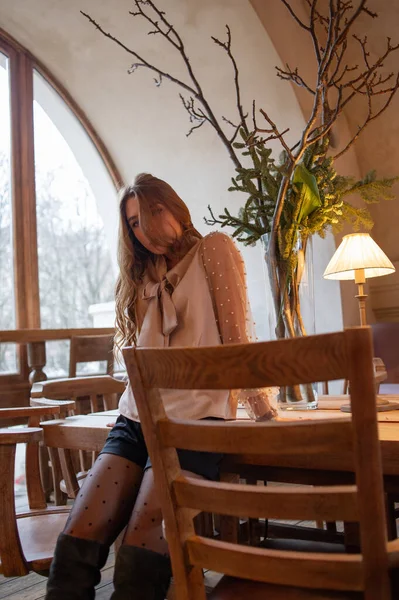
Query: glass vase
290	304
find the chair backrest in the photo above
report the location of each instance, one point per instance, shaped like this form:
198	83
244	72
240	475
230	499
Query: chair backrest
91	348
343	355
98	387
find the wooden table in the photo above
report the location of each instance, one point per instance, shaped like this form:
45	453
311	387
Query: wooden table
89	432
388	425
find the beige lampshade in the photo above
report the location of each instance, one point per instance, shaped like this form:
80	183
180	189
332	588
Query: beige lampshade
358	251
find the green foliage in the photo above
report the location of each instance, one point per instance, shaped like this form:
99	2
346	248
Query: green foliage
317	199
306	192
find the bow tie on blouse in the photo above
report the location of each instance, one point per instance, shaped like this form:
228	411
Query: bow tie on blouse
162	293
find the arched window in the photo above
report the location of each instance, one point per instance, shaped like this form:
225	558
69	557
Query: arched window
57	212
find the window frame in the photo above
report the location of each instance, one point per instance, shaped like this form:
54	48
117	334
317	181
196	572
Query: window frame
23	195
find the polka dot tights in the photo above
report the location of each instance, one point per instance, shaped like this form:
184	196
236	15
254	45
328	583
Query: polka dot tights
105	502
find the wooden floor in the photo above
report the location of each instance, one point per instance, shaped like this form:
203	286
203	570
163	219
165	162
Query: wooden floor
33	586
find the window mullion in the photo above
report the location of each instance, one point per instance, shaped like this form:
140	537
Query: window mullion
24	202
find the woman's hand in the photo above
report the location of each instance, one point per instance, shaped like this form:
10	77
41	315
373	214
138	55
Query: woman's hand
260	403
111	424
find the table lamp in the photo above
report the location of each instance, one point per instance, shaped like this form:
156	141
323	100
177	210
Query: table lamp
358	257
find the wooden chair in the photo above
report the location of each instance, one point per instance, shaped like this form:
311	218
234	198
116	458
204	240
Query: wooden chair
91	348
83	349
102	390
73	388
281	574
27	539
86	349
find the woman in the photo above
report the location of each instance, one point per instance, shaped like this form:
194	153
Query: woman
175	288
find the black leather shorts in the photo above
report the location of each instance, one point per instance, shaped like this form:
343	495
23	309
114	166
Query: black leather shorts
126	439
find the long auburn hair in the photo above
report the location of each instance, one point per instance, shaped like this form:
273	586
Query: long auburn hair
133	258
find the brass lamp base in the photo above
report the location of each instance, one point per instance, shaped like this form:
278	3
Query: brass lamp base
360	280
382	406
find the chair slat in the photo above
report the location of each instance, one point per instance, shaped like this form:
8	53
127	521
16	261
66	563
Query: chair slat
73	437
91	348
20	436
66	407
302	569
283	362
330	503
271	438
28	411
64	389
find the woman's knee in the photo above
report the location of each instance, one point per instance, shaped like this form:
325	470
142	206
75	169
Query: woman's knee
145	525
106	500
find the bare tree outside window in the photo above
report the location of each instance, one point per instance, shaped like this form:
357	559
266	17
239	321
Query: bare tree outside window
75	268
8	358
8	354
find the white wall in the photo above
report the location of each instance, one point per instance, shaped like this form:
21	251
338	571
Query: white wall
144	126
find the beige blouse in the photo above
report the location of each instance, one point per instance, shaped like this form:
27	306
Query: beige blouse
201	301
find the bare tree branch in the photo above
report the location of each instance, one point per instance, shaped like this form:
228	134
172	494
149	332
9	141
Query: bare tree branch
293	76
195	90
227	47
370	117
293	14
236	128
169	28
275	133
142	62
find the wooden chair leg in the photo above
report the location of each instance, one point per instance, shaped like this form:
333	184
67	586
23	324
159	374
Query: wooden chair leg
253	524
94	403
352	537
60	498
45	472
69	473
229	526
229	529
391	517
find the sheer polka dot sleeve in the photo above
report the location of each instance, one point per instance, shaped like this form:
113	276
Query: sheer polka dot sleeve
226	275
225	271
